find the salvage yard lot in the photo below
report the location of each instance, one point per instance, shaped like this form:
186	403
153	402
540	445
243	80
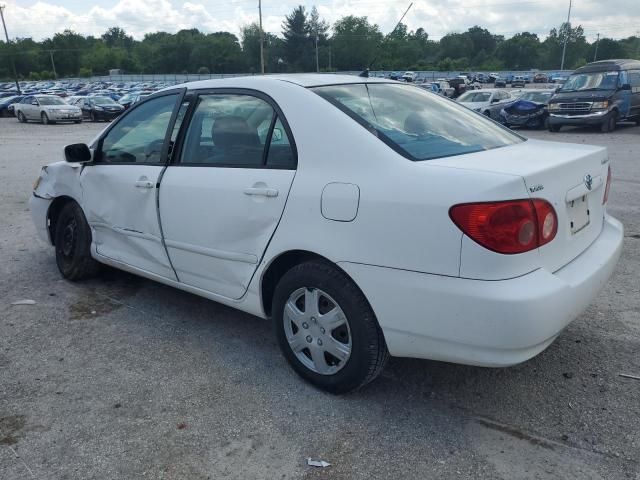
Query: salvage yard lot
121	377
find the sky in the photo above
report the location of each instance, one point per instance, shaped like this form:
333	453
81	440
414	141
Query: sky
41	19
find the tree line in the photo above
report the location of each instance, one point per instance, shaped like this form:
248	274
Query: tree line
306	42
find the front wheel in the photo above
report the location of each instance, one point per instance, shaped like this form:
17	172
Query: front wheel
609	123
45	119
22	118
554	128
326	329
73	244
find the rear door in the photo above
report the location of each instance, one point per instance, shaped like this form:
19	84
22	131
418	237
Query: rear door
120	186
222	197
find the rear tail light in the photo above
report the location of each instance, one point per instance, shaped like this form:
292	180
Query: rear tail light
509	227
605	199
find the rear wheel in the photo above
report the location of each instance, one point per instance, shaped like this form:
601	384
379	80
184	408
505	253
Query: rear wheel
73	244
554	128
22	118
326	329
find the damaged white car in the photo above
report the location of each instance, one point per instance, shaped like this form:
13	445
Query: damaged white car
364	217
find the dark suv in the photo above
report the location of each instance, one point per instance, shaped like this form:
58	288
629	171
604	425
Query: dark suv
600	93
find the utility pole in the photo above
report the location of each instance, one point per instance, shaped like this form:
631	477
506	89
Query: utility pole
53	64
317	61
261	38
13	62
330	58
595	55
566	37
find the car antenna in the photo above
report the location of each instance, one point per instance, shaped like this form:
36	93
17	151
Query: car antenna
365	72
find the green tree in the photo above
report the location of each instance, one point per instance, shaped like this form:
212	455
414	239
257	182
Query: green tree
520	52
297	40
354	43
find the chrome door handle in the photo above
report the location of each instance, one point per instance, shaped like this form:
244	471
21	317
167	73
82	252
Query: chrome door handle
144	184
263	192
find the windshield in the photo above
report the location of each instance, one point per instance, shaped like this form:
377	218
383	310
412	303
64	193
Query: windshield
538	97
473	97
102	101
51	101
416	123
591	81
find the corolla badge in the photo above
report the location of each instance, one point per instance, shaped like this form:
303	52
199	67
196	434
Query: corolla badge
588	181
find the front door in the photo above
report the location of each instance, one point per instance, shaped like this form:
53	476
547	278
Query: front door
120	187
223	196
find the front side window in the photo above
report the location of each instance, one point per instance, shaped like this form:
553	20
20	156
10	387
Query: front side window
591	81
416	123
235	130
139	136
634	79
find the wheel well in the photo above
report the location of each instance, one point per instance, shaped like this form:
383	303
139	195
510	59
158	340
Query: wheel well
54	213
281	265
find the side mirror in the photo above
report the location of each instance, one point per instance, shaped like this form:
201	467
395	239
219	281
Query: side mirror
77	153
34	102
495	100
626	86
558	89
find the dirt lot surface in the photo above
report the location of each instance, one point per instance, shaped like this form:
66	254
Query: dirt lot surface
123	378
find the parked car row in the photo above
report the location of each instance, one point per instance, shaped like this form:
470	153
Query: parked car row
601	94
43	101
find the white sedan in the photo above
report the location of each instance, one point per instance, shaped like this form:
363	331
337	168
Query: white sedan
482	100
46	109
364	217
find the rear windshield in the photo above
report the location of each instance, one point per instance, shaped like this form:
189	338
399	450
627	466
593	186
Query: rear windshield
417	124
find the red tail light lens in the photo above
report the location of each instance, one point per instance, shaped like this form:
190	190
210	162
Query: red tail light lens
514	226
608	187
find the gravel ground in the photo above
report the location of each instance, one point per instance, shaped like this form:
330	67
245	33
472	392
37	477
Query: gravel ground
121	377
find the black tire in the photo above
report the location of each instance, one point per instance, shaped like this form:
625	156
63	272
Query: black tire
77	121
45	119
544	125
554	128
609	123
73	244
368	349
22	118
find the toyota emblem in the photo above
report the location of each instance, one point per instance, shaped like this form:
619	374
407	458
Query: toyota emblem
588	181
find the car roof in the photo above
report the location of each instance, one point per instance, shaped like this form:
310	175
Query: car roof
301	79
614	64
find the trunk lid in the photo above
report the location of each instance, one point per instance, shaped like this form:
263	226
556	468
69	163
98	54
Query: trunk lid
571	177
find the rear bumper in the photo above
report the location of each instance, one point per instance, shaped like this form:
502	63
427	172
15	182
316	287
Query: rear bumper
487	323
39	208
593	118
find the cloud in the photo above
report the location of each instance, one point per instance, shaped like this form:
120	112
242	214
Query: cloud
614	18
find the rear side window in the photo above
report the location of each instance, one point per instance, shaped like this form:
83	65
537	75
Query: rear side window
634	79
416	123
236	130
